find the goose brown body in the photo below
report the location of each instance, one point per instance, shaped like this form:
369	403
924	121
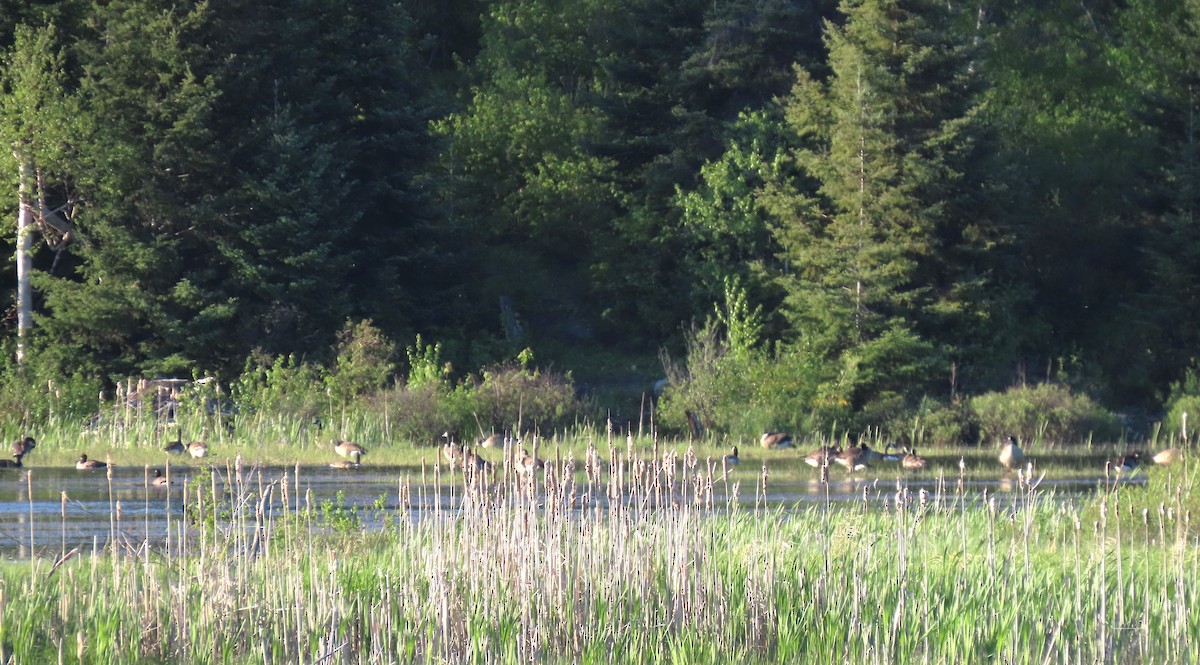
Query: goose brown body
913	462
526	463
856	458
23	446
776	440
822	456
85	464
349	449
1168	456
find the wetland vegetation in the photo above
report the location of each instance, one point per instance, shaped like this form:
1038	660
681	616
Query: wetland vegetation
611	554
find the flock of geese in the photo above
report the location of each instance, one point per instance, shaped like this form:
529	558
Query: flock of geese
353	453
25	445
854	458
458	454
861	456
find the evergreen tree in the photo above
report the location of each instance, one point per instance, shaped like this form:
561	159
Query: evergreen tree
675	78
139	298
883	272
321	123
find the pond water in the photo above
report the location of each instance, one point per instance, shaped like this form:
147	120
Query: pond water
58	509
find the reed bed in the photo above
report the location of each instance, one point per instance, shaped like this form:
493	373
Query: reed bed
657	557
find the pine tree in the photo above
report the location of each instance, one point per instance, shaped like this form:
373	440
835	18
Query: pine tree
138	299
321	124
881	250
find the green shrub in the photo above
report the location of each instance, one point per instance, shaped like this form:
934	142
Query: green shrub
1184	399
364	362
744	394
425	366
421	414
36	393
933	423
510	394
503	398
1045	412
285	387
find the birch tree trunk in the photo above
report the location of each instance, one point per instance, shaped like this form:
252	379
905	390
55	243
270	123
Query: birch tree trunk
24	263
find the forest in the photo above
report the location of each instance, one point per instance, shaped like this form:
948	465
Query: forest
800	213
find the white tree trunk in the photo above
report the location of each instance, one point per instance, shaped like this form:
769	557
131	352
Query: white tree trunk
24	262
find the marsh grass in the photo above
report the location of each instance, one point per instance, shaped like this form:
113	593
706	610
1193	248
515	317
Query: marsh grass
636	555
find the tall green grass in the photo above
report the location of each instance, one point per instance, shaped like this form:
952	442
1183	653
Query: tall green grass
642	558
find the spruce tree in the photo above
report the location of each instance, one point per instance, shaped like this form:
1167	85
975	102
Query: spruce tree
138	299
882	251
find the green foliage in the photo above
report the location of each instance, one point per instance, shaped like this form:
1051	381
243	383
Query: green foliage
364	362
37	394
937	195
877	261
934	423
512	397
733	386
1046	412
1184	399
425	366
284	387
207	505
743	325
335	515
722	216
420	414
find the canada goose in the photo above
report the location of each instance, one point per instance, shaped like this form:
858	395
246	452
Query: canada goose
14	463
913	462
345	464
1168	456
889	456
856	458
349	449
159	479
23	446
1128	463
822	456
473	461
776	440
197	449
85	464
452	452
497	441
732	459
1010	454
175	447
526	463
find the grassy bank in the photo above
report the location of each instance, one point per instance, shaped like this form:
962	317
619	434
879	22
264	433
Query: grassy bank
640	565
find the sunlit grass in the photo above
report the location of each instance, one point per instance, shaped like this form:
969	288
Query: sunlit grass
650	563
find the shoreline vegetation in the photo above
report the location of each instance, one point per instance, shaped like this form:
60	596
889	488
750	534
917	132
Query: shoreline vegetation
624	558
625	540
